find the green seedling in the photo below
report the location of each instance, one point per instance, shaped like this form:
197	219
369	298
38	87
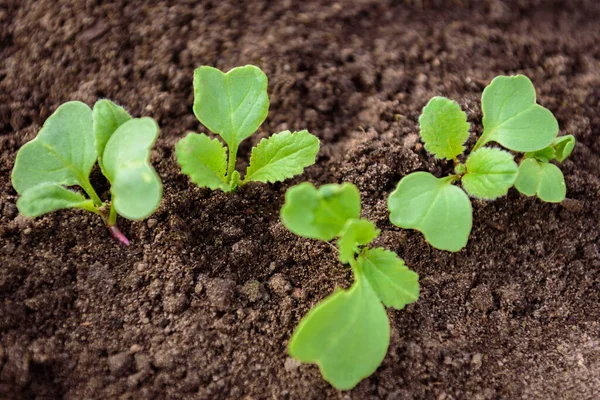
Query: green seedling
65	151
233	105
348	333
511	118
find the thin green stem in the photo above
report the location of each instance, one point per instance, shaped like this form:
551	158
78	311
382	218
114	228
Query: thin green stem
88	188
112	215
483	139
450	179
91	207
231	161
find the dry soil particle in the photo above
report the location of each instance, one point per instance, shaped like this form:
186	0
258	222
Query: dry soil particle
204	301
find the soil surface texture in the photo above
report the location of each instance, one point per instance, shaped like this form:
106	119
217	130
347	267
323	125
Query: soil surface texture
204	301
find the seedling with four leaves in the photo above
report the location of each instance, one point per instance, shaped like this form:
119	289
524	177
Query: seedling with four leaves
512	119
65	151
233	105
348	333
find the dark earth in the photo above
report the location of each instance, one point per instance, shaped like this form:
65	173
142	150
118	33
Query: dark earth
204	301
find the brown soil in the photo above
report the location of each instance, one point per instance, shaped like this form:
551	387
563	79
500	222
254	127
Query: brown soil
204	301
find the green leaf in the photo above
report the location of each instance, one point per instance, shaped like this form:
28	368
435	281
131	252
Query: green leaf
282	156
232	105
544	155
63	151
203	160
435	207
512	118
136	187
347	335
48	197
320	214
544	179
394	283
563	146
107	118
356	233
490	173
444	128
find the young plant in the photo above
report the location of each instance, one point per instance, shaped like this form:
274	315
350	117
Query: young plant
512	119
65	151
233	105
348	333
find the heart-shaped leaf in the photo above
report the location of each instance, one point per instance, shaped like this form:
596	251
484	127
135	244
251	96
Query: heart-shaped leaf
48	197
542	179
136	187
282	156
107	118
232	105
444	128
356	233
203	160
435	207
512	118
320	214
347	335
63	151
394	283
490	173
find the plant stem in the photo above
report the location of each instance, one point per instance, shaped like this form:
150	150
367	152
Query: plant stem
112	215
118	235
231	161
481	141
88	188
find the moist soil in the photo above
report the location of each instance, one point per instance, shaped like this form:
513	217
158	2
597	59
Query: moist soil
204	301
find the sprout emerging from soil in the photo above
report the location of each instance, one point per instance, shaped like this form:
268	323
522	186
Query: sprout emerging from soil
233	105
512	119
348	333
67	148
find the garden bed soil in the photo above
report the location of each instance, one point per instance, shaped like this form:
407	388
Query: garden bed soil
204	301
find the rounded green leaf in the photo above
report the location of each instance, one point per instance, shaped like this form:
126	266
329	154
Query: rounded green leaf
490	173
204	160
320	214
107	118
356	233
136	187
544	179
48	197
435	207
390	278
63	151
563	146
282	156
512	118
444	128
347	335
232	105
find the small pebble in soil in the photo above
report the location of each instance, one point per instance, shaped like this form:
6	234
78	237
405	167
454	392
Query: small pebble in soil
291	365
151	223
220	293
119	364
279	285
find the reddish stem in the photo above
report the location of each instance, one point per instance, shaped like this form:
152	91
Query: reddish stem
118	235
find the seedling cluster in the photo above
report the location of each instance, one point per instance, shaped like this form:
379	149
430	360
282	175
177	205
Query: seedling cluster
348	333
511	118
67	148
233	105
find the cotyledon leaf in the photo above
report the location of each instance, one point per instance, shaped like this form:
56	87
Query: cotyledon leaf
347	335
232	104
356	232
136	187
48	197
390	278
204	160
563	146
435	207
512	118
107	116
542	179
63	151
444	128
282	156
320	214
490	173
